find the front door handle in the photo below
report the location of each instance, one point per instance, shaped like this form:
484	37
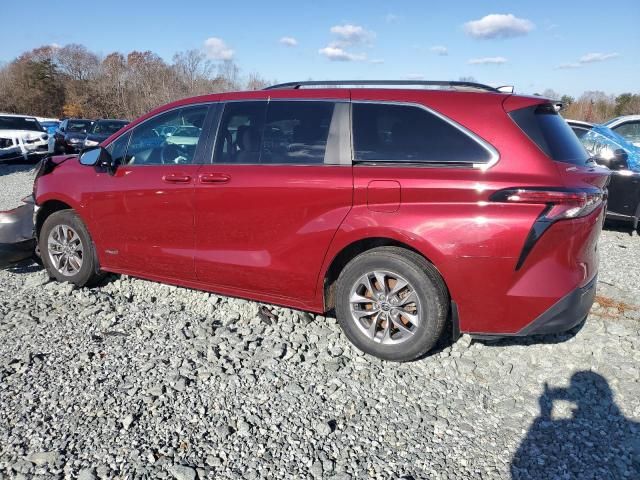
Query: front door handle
176	178
214	178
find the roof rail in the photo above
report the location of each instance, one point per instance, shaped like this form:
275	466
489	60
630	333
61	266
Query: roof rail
424	83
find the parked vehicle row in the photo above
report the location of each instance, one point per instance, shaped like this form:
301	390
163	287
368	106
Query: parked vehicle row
74	134
402	210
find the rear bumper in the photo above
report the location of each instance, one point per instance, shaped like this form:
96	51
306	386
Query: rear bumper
563	315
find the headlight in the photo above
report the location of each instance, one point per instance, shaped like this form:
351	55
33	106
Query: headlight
90	143
74	140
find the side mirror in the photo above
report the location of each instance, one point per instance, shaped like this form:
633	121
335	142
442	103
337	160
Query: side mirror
619	160
97	157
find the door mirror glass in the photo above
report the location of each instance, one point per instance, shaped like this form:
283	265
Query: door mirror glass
97	157
619	161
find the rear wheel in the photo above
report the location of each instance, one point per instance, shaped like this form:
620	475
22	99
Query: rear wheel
391	303
66	249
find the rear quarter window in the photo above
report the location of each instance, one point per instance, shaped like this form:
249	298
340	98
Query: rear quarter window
551	133
411	134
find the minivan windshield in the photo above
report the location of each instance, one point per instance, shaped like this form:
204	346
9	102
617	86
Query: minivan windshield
551	133
20	123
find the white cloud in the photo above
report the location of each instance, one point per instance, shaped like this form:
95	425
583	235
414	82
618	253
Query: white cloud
487	61
55	46
597	57
498	25
376	61
216	49
588	58
288	41
567	66
440	50
337	54
349	34
391	18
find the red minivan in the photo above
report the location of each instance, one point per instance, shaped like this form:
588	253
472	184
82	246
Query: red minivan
401	209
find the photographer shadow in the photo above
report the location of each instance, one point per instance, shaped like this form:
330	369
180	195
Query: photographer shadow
596	442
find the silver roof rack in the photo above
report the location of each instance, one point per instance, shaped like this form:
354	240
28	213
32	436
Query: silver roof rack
382	83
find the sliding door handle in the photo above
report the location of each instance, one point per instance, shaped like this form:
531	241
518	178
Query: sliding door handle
214	178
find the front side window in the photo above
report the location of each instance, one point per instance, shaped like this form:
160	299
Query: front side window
170	138
276	132
410	134
630	131
118	148
598	145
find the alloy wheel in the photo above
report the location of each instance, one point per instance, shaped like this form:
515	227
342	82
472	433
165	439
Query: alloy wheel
65	250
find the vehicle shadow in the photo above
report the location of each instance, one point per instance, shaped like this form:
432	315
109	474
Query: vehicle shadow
619	226
593	441
15	167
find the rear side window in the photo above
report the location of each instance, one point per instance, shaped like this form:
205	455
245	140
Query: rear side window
551	133
630	131
404	133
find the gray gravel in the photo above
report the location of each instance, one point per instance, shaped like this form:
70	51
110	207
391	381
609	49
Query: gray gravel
134	379
16	182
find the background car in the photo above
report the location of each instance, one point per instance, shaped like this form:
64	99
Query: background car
101	130
623	158
22	138
627	126
70	135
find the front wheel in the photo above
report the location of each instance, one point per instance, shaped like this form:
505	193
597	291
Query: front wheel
392	303
67	251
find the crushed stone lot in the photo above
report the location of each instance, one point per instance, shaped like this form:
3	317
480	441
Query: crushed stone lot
133	379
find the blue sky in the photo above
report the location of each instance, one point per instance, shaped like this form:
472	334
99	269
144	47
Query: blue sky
569	46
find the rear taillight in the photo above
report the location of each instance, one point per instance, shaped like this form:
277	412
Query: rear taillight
561	204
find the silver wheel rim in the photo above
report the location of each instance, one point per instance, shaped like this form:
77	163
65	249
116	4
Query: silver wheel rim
65	250
385	307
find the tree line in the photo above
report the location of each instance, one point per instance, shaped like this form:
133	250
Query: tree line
72	81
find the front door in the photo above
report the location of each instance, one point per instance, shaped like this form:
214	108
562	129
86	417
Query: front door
280	185
144	211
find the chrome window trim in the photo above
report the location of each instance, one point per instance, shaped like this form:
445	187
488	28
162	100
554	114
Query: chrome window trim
494	156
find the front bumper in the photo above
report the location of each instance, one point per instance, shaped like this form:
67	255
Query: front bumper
17	241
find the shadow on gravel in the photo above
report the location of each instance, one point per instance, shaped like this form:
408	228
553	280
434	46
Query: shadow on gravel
13	167
619	226
28	266
595	441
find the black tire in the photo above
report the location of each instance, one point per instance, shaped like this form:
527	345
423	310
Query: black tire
428	286
89	273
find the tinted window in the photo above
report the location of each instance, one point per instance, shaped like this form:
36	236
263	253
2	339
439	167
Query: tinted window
279	132
107	127
118	148
154	142
296	132
630	131
79	125
598	145
551	133
401	133
20	123
239	135
580	131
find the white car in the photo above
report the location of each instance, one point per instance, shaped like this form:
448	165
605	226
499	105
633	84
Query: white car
627	126
22	138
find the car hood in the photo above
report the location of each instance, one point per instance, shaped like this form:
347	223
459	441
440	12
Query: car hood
78	135
23	134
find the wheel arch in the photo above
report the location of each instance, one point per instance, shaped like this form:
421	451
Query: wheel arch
46	210
349	252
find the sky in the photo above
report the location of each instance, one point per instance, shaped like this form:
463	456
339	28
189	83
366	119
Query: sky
568	46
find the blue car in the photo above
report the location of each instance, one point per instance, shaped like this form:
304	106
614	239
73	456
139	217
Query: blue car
623	157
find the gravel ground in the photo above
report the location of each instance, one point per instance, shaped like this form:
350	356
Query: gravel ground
134	379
